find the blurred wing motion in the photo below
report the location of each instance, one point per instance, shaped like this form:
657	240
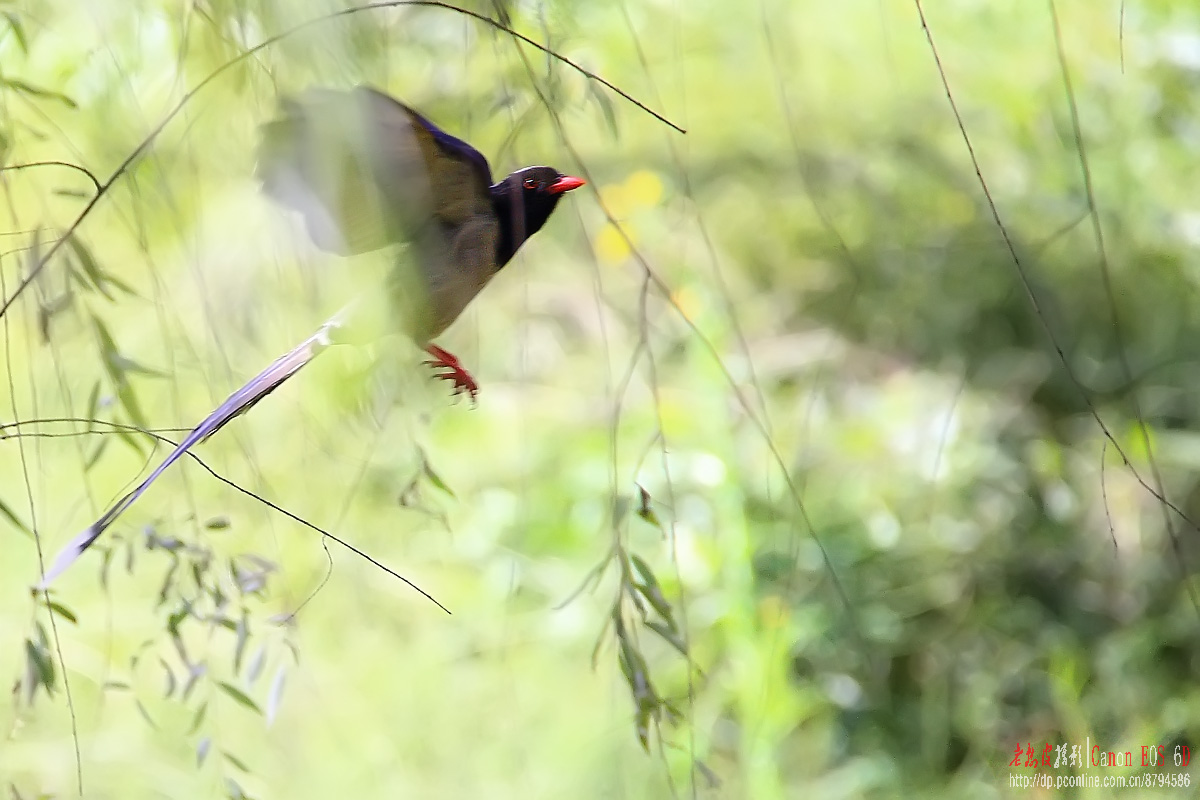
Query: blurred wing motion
366	171
238	403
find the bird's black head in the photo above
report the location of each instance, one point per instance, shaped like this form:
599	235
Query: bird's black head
524	201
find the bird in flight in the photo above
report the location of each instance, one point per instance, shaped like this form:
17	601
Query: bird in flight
367	172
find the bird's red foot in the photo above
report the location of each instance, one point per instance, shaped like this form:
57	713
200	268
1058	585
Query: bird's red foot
452	370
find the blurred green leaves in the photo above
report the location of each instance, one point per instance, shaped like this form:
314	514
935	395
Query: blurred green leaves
40	672
822	227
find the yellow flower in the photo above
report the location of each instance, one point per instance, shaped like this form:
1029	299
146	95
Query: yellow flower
611	246
643	188
615	198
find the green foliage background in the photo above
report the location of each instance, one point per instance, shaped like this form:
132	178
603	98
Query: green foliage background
883	499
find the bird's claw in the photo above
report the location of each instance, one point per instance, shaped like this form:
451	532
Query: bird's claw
452	370
463	382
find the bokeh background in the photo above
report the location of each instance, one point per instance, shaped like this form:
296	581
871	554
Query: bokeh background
794	473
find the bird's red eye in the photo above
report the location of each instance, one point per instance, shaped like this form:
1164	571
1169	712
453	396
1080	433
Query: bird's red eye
531	183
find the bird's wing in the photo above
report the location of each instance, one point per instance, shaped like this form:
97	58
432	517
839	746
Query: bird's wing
459	173
455	250
316	158
367	171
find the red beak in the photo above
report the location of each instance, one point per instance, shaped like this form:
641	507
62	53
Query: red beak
565	184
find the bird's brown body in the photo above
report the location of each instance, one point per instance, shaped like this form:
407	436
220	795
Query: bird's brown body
366	172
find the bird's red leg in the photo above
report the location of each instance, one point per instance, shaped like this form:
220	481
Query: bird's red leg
452	370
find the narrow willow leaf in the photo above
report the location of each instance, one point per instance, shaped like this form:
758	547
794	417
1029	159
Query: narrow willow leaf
43	322
243	636
237	762
106	559
195	673
436	479
503	12
78	277
145	714
176	619
47	311
634	667
42	663
94	456
12	517
127	364
130	403
600	639
29	680
638	600
128	439
713	781
177	642
234	791
240	696
642	727
649	588
648	515
202	750
87	262
120	284
275	695
172	684
93	403
256	664
168	581
600	96
669	635
18	30
62	611
116	366
36	91
198	718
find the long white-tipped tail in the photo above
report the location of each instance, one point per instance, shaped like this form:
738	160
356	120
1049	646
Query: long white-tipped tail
237	403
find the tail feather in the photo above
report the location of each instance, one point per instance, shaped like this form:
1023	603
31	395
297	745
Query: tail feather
236	404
